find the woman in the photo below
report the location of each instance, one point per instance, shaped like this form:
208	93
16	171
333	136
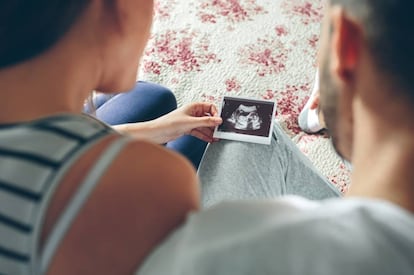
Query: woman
76	197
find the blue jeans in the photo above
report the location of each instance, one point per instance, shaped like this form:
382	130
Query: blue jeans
147	101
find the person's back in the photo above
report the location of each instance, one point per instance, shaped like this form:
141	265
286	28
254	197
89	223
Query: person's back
75	196
290	236
34	157
44	168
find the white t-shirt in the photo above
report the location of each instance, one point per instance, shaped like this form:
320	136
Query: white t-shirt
290	236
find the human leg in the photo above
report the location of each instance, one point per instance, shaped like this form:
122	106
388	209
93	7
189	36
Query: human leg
310	119
147	101
191	147
238	170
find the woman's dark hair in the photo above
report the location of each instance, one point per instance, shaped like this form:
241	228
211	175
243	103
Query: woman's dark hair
30	27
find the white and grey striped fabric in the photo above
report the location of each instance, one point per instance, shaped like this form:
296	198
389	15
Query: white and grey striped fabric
33	158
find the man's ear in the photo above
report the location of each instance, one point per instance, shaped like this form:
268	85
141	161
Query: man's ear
346	44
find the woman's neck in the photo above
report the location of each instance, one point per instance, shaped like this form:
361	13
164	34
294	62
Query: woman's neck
46	85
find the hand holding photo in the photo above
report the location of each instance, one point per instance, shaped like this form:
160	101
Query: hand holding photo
248	120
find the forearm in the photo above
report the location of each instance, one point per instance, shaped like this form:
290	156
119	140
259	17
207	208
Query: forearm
142	130
197	119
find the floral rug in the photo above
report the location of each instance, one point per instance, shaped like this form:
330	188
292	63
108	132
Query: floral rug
264	49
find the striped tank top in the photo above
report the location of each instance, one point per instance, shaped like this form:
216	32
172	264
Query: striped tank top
34	157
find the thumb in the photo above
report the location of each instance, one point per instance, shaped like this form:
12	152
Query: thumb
206	121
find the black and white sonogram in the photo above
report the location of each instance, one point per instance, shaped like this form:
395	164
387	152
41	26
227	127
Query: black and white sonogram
246	120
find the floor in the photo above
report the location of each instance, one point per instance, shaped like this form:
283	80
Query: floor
262	49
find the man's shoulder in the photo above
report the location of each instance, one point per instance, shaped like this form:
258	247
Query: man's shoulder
302	237
296	236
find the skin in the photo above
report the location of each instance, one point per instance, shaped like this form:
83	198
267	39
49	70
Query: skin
139	200
190	119
369	125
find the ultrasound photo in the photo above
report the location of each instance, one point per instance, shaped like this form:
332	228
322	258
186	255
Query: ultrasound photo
246	120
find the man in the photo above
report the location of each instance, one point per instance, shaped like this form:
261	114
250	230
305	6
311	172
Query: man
367	99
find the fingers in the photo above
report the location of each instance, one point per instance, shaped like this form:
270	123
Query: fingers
199	109
206	121
205	134
201	118
213	110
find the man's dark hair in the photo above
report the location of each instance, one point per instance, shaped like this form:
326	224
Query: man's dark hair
388	26
30	27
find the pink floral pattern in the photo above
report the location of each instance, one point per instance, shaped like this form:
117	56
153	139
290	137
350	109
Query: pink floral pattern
306	11
232	84
184	51
163	8
211	11
289	104
281	30
268	56
314	41
205	49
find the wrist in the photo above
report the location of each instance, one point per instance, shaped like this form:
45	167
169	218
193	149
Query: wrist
148	130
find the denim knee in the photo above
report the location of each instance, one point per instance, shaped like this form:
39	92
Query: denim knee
163	98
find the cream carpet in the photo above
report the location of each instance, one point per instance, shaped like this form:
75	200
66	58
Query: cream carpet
204	49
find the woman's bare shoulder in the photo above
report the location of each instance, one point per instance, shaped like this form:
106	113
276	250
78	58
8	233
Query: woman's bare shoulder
153	168
145	194
155	158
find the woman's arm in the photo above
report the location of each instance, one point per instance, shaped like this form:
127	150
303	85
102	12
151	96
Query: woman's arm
197	119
